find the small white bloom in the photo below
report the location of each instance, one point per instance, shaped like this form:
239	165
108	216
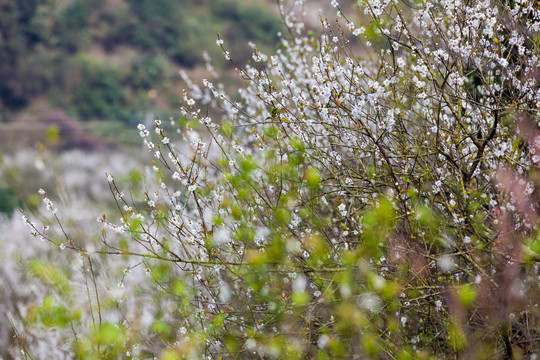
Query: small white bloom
446	263
322	342
359	31
403	320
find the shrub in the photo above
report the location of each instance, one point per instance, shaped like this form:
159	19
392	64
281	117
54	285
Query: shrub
100	94
372	195
147	71
71	28
8	201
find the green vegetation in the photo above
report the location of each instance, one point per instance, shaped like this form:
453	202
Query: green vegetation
99	58
101	94
8	200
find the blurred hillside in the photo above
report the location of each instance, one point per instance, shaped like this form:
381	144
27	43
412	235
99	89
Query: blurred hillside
72	64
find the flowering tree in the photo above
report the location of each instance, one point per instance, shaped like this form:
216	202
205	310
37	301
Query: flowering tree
371	192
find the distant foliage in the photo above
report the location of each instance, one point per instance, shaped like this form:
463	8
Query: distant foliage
71	30
101	94
146	71
20	35
9	201
44	46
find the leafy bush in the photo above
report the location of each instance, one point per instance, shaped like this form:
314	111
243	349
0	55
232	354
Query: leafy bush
147	71
9	201
373	194
20	33
101	94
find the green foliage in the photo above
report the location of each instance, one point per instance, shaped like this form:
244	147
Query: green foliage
147	71
313	178
9	201
71	27
21	33
51	275
53	314
108	341
101	94
41	40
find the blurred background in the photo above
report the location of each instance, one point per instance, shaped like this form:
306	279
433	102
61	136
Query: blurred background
77	76
81	74
92	68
